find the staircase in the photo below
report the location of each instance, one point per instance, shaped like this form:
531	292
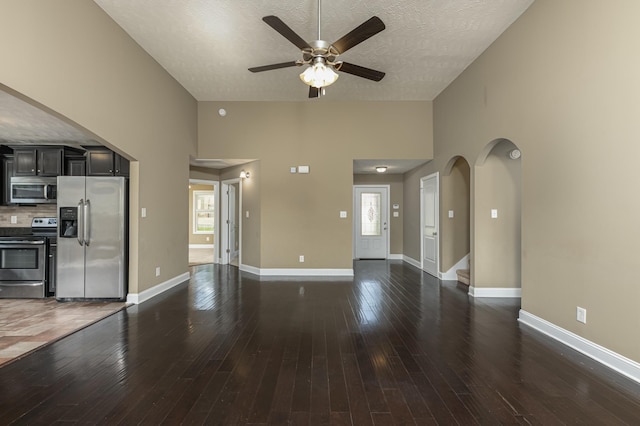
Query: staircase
464	276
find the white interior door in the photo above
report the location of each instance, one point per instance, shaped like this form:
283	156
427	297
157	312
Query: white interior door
231	225
232	240
430	223
371	222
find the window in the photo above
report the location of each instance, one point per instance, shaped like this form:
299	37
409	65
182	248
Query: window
203	212
370	219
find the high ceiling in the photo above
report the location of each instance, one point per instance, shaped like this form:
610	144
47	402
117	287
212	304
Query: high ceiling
208	45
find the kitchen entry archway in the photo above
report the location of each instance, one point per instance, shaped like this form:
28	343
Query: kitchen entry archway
371	221
230	223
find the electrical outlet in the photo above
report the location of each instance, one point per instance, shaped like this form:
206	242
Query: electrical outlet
301	259
157	271
14	219
581	315
208	238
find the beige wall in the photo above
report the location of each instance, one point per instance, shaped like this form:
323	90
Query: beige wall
562	84
396	196
300	212
71	58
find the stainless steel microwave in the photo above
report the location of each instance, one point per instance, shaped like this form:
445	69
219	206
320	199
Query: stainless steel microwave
33	190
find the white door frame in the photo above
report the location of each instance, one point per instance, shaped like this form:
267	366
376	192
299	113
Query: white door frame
355	224
437	220
224	229
216	213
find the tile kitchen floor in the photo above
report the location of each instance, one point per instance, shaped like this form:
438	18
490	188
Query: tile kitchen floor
27	324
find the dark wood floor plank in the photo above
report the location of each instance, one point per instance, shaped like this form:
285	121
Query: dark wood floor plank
390	346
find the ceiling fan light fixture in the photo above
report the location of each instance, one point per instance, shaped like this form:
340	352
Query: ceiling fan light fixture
319	75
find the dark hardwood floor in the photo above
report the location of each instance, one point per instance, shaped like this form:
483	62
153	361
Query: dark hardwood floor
392	346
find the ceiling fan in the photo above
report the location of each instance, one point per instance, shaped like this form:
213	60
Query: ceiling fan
322	56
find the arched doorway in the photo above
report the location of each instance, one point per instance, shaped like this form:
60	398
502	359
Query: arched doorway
456	223
496	221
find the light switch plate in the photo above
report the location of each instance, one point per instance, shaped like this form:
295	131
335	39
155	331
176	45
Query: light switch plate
143	212
450	214
303	169
247	214
396	214
343	214
494	213
14	219
294	169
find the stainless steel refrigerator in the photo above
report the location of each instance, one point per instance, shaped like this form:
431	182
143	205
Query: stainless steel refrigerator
91	262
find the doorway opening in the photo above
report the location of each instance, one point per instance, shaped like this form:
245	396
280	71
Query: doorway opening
496	243
203	219
230	223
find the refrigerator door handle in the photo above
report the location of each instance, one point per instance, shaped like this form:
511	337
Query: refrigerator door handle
80	230
87	222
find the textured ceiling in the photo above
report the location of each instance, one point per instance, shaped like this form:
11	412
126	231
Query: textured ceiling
207	45
22	123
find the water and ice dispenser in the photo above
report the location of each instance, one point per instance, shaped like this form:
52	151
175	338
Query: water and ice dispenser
68	222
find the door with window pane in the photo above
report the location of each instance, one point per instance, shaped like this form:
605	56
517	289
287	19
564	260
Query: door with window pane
371	222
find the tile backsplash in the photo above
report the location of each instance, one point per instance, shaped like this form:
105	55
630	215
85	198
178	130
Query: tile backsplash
24	214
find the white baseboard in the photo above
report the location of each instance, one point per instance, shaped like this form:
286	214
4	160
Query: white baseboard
613	360
412	261
395	257
451	273
137	298
495	292
201	246
296	272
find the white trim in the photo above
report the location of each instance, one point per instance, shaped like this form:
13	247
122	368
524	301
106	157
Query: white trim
411	261
607	357
296	272
495	292
395	257
137	298
451	273
201	246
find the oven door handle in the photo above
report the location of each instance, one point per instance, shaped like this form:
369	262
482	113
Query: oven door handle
21	242
80	230
87	223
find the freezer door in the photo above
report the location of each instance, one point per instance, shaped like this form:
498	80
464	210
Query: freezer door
104	237
70	260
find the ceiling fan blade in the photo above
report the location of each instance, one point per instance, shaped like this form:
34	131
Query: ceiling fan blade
277	24
314	92
359	71
274	66
368	29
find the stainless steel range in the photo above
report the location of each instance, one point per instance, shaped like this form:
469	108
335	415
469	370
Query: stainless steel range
28	260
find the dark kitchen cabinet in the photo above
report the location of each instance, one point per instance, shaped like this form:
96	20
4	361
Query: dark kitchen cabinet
75	166
37	161
103	162
7	172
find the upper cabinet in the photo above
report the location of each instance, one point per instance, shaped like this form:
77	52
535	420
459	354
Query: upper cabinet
45	161
104	162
